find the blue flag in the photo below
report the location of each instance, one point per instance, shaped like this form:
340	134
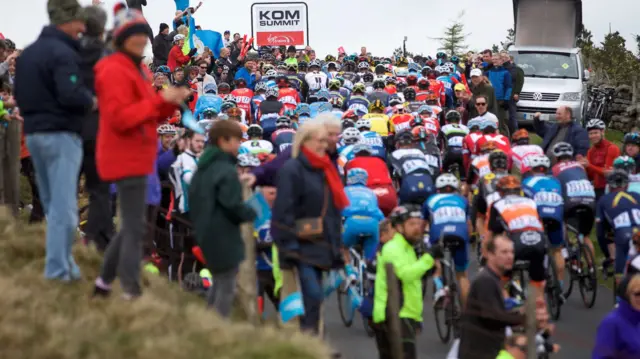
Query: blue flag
200	39
182	5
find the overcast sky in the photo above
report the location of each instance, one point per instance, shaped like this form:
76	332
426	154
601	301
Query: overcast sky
379	25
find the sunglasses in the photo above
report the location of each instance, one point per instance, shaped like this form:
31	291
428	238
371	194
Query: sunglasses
203	67
481	103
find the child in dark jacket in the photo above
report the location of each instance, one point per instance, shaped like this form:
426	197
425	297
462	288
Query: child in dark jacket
217	210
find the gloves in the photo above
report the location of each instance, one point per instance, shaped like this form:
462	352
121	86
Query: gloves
192	52
435	251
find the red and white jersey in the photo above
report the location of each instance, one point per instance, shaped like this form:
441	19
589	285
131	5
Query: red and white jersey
243	98
431	124
438	90
520	155
469	147
481	164
501	141
401	122
289	98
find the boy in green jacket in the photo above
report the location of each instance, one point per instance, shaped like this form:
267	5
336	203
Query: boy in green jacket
217	210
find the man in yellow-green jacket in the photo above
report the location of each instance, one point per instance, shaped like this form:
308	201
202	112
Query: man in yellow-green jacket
409	268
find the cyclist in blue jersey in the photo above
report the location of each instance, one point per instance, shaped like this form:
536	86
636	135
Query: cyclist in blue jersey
448	84
546	191
410	171
447	214
577	191
371	138
362	217
618	210
357	101
282	138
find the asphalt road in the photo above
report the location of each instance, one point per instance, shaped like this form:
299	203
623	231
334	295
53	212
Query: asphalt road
575	330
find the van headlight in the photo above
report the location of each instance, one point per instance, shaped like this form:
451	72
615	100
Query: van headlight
571	96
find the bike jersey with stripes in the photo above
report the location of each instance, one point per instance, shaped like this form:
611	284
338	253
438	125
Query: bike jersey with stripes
316	81
359	104
619	211
375	142
282	139
546	191
520	155
258	146
409	161
447	214
576	187
516	214
488	192
454	135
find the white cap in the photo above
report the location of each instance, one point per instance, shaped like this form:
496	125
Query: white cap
476	72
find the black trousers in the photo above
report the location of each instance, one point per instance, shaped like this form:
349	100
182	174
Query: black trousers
408	331
99	226
27	170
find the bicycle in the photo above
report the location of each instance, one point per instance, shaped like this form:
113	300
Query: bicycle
362	284
451	303
598	106
581	267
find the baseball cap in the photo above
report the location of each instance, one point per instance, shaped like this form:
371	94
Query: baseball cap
227	32
476	72
459	87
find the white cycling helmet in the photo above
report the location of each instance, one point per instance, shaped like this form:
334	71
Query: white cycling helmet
596	124
247	160
272	92
363	65
271	74
166	129
536	161
363	124
315	63
351	136
447	180
178	37
261	86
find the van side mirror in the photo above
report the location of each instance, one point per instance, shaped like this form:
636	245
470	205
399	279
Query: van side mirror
587	75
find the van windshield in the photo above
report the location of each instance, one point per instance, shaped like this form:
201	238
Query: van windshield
547	64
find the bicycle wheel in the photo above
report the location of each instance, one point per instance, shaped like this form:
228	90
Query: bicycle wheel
440	312
552	290
344	305
570	274
455	306
588	280
366	289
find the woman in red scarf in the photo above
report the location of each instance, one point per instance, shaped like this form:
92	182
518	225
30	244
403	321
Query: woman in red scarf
306	220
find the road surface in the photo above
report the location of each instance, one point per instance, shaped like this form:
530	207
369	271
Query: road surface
575	330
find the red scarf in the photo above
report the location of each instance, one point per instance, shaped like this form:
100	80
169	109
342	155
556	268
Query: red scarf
331	174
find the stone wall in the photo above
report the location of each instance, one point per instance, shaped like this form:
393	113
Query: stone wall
624	113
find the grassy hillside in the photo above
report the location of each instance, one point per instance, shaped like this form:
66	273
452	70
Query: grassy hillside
42	319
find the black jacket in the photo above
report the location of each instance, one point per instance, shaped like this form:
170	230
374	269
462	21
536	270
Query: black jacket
91	51
49	87
161	48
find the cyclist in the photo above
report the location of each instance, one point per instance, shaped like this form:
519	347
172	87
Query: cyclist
350	136
246	163
627	164
452	135
410	98
378	180
258	97
522	151
439	94
357	101
470	142
256	144
479	167
546	191
489	127
426	142
390	85
282	138
243	96
447	214
618	210
410	171
316	80
269	110
378	94
631	147
448	82
401	119
410	268
371	138
287	95
423	93
431	123
362	216
600	156
334	89
517	217
379	121
577	191
488	187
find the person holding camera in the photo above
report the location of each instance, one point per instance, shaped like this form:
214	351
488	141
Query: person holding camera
203	78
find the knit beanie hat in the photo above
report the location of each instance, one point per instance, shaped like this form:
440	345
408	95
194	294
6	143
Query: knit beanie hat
128	22
163	26
96	20
64	11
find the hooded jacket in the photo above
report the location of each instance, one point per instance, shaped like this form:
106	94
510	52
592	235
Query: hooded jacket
217	210
501	81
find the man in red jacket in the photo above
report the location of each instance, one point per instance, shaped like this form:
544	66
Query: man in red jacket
176	57
127	145
600	156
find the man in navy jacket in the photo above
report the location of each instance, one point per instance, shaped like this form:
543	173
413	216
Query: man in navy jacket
54	102
565	130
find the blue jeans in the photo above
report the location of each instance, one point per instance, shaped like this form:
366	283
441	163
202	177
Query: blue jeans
56	157
312	297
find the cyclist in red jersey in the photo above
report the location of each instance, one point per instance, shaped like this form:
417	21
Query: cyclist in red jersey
390	85
287	95
600	156
243	96
401	119
469	144
436	86
379	179
423	93
490	132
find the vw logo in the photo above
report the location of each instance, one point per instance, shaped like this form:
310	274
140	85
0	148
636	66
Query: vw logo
537	96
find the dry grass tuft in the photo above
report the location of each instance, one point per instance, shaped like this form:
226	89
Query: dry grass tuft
42	319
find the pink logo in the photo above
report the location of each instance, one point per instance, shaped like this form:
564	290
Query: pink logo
279	39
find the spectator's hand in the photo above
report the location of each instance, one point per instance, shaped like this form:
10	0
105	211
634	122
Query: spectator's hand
176	95
258	75
16	115
585	163
248	178
516	97
9	102
192	52
537	115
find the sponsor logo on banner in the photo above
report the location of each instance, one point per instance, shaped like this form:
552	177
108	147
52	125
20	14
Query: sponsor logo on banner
280	24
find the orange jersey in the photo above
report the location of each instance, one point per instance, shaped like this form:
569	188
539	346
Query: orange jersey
243	98
401	122
438	90
391	90
289	98
519	214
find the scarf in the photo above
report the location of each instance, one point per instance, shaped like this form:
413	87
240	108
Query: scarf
331	175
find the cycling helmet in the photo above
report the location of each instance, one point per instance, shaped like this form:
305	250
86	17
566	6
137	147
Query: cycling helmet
164	69
404	138
209	113
508	183
595	124
453	116
261	86
562	149
283	122
303	109
402	61
539	161
272	92
351	136
210	88
390	80
334	84
378	84
473	123
266	67
402	213
336	102
254	131
332	64
444	69
248	160
376	105
455	59
363	124
498	160
224	88
395	100
271	74
362	147
240	82
625	163
350	115
423	83
166	129
359	87
401	85
363	65
414	67
409	94
447	180
425	108
226	105
315	63
380	68
441	55
178	37
521	136
329	58
323	95
292	67
348	123
618	179
302	65
632	138
282	81
368	77
419	134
